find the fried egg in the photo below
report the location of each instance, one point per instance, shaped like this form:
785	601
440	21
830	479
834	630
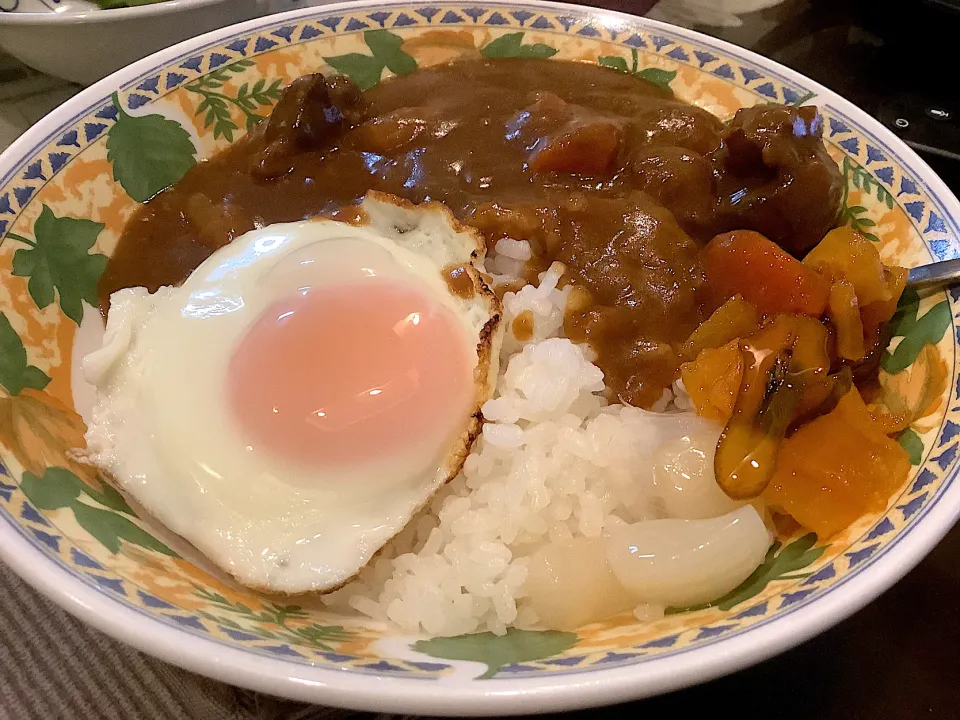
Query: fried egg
310	386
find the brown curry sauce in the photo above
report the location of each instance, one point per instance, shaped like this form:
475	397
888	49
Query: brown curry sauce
597	169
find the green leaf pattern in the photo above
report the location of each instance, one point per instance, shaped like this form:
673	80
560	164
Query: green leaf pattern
780	563
149	153
496	651
15	372
385	53
614	62
386	47
273	622
112	529
856	215
110	524
364	70
911	442
915	330
57	489
655	76
216	103
59	262
511	46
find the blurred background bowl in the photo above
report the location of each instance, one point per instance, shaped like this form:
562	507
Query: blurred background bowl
77	41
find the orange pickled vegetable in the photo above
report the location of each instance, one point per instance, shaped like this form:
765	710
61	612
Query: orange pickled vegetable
829	393
845	253
845	314
736	318
785	378
747	450
810	363
713	380
810	348
837	468
880	311
746	263
890	422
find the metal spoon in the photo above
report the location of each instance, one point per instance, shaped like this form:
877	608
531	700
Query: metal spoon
946	272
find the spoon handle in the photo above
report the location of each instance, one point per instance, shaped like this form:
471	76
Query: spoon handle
945	272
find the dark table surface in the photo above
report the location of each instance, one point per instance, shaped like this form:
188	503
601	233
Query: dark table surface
899	658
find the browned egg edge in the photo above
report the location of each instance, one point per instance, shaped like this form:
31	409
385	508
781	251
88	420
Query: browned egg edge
485	379
485	374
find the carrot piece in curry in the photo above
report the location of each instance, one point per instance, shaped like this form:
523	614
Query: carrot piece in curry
746	263
585	150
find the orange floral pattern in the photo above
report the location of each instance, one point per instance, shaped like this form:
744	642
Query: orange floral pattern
40	429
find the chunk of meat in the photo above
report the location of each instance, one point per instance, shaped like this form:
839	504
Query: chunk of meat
643	272
677	125
305	118
305	114
678	178
774	176
346	96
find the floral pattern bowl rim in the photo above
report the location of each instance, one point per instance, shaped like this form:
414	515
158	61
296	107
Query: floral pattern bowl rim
461	693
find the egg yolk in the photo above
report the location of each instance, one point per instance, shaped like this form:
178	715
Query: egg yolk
351	372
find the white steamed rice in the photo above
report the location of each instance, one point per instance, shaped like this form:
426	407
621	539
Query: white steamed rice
555	461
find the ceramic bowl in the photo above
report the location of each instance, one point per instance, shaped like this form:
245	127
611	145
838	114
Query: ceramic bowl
64	198
77	41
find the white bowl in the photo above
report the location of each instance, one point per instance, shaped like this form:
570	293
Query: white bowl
166	606
83	44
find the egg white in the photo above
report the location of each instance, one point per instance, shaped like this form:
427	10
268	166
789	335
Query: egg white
161	424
